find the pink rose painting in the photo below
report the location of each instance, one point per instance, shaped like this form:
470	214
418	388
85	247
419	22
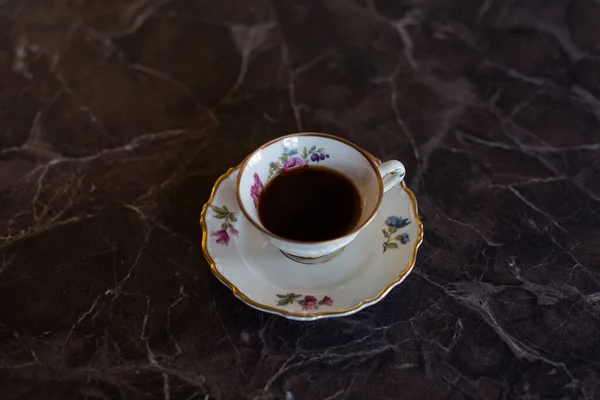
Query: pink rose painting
327	301
293	158
308	302
293	163
256	188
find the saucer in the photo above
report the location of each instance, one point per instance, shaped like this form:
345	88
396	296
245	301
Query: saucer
378	259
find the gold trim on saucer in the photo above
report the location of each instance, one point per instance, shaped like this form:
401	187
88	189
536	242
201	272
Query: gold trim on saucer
316	315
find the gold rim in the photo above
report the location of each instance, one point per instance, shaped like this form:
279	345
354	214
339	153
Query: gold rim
294	258
305	316
325	135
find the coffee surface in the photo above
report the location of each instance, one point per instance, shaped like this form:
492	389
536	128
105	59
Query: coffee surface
309	204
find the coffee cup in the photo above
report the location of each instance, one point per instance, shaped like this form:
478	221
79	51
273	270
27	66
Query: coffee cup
315	149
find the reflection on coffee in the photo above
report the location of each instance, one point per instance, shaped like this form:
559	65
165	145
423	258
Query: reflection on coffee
310	204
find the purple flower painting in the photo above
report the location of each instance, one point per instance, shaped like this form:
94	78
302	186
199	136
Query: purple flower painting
392	224
229	219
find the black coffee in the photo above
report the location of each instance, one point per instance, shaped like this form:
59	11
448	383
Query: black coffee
309	204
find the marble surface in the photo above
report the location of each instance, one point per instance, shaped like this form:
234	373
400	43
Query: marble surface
116	118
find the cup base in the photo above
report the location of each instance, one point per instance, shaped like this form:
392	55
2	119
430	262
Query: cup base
313	260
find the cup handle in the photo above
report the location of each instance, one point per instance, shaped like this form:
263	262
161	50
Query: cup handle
392	173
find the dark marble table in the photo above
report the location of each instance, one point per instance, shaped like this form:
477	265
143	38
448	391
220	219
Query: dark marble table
116	118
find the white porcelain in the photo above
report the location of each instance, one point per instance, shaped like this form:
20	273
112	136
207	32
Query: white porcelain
301	149
380	257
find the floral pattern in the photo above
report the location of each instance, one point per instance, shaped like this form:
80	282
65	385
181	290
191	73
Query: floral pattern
307	302
288	160
394	223
291	158
256	188
222	235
